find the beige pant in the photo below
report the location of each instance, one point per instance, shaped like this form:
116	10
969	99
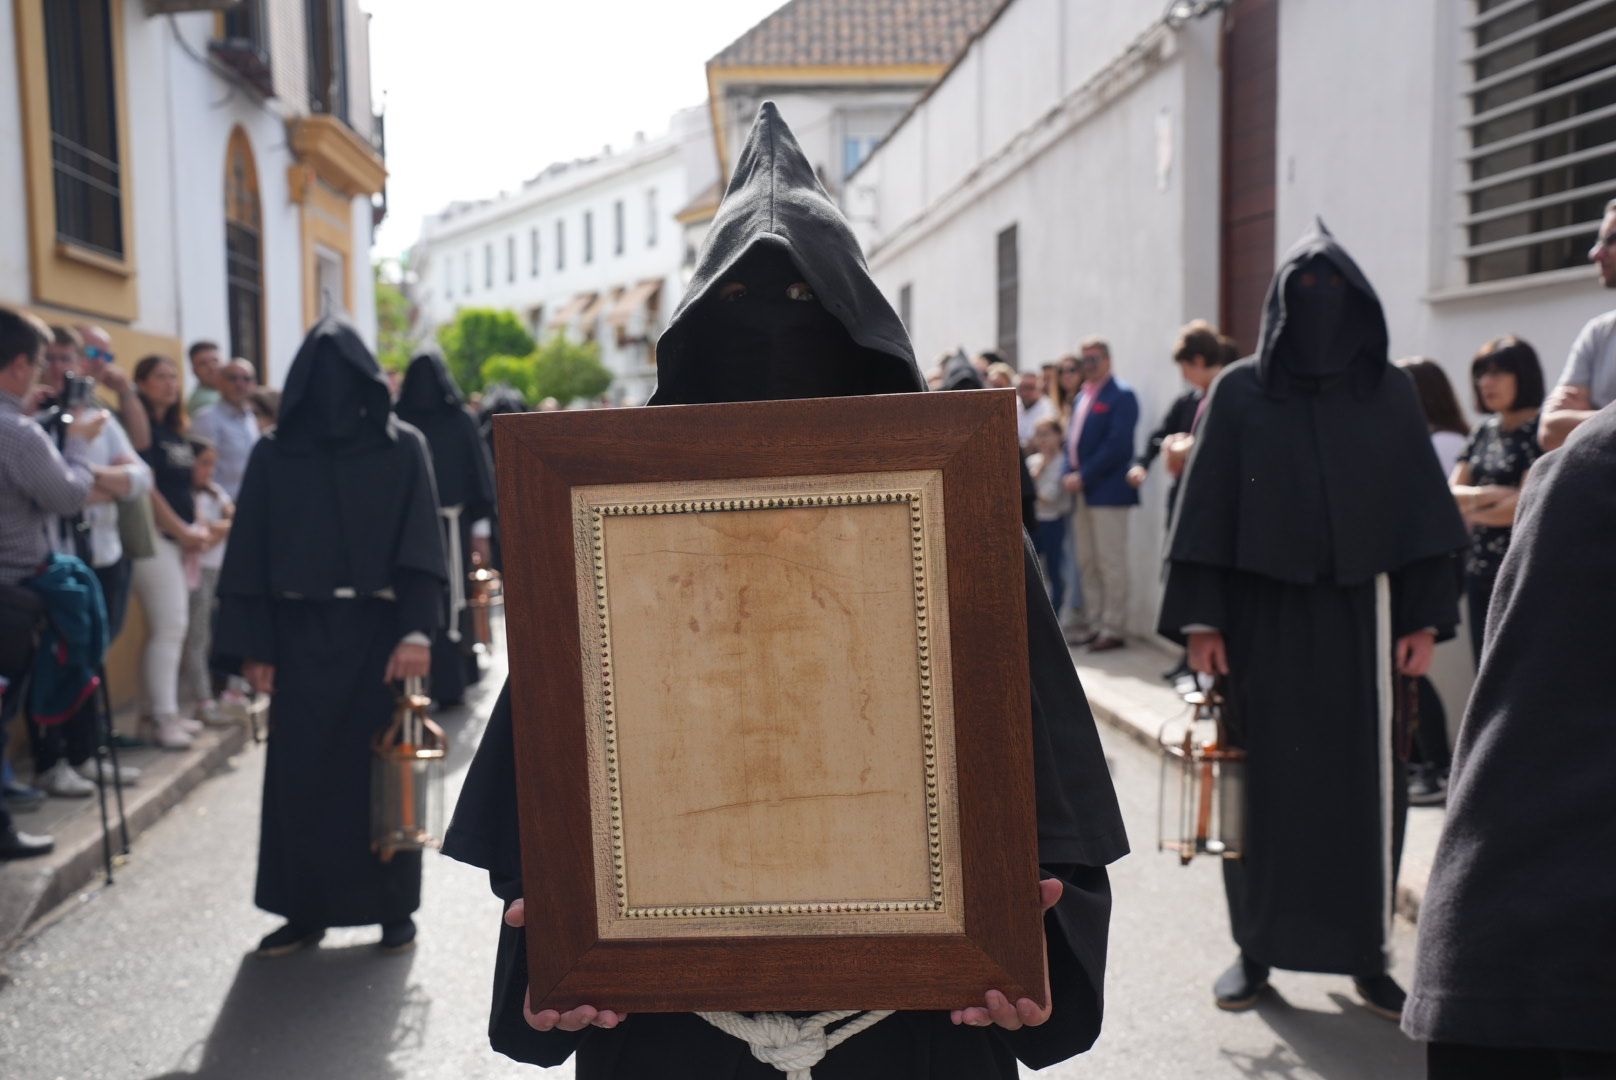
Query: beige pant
1100	534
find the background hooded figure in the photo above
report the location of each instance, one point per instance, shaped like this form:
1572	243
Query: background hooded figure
1313	531
782	306
335	562
430	401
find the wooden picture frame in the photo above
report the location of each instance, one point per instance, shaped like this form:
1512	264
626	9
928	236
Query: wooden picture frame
771	704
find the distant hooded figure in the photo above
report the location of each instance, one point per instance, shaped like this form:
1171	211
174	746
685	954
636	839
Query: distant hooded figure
960	374
1312	553
782	306
332	586
430	401
1514	977
497	401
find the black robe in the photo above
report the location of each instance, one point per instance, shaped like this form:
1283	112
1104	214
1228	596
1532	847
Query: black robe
431	402
1518	927
338	497
1314	529
776	196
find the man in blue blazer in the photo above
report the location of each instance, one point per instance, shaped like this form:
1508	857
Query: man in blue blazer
1099	449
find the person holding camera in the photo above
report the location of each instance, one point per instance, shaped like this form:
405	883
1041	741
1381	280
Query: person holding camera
38	485
63	753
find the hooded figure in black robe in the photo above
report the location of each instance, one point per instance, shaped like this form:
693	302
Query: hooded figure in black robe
782	306
496	401
1518	925
960	374
430	401
335	559
1314	529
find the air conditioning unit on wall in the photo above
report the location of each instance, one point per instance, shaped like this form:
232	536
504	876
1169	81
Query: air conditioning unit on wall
178	7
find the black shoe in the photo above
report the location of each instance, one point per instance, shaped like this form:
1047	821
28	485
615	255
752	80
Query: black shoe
21	845
1382	996
1180	670
1105	643
1238	988
1427	787
398	936
289	939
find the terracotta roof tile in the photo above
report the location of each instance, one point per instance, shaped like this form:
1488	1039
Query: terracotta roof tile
804	33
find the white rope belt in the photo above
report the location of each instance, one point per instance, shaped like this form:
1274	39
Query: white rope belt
457	570
790	1045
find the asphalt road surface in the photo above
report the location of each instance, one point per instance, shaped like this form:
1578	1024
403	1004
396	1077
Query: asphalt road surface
151	979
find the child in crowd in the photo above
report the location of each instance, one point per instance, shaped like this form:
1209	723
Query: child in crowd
1053	505
214	511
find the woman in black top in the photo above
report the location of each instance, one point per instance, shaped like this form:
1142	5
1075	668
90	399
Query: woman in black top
160	579
1508	382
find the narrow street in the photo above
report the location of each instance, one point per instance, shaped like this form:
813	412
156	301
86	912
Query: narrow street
152	978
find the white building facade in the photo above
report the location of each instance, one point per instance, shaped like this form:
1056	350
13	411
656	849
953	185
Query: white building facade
590	249
1089	167
178	174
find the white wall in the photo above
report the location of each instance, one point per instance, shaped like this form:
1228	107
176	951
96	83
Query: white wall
1388	189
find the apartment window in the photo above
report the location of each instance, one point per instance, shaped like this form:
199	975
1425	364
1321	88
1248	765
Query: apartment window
617	227
510	257
331	271
470	281
86	169
244	24
561	245
589	236
906	308
243	254
326	32
1541	82
650	218
533	241
488	266
1009	298
855	148
448	279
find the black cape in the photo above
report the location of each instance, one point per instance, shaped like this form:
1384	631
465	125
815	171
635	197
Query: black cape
339	496
431	402
775	198
1314	528
1518	926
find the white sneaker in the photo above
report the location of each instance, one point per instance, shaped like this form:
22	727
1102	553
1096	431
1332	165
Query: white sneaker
172	734
61	781
191	724
128	775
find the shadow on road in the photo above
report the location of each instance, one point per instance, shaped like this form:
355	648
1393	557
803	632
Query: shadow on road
324	1012
1345	1045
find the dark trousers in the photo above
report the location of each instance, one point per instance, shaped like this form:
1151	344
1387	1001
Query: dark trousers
77	737
1455	1061
1431	734
9	702
1049	541
1479	594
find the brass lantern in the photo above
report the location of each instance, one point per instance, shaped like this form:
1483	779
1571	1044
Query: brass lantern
406	784
486	592
1201	809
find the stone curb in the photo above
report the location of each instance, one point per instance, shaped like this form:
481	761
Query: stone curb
30	888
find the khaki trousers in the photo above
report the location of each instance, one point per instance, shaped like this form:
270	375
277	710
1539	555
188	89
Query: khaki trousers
1101	537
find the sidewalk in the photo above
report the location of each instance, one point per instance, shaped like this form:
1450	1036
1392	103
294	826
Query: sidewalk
1126	692
31	887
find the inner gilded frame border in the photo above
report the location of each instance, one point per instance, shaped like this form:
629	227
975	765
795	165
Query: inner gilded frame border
941	909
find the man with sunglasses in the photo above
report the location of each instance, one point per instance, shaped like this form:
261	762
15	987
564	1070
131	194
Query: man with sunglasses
229	424
1588	382
99	363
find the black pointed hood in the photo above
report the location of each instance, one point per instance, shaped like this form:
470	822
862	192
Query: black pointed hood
335	394
1370	344
774	198
428	387
960	374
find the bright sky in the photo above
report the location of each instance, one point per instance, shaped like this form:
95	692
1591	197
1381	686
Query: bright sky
482	94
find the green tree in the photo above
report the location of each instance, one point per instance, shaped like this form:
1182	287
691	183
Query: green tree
476	335
568	370
393	344
514	371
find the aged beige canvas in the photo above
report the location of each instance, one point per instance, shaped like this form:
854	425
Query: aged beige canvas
771	738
